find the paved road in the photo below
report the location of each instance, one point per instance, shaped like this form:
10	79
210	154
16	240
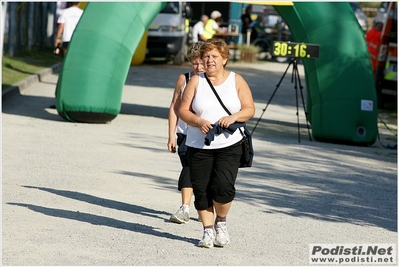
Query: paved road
89	194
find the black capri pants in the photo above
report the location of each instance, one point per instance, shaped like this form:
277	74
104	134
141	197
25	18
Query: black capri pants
213	174
65	44
184	178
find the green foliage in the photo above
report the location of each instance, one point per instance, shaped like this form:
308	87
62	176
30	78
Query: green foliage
248	48
369	4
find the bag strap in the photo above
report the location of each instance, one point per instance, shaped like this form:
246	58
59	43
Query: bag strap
216	94
220	100
187	75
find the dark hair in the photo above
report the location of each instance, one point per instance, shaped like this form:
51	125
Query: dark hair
219	19
69	4
248	8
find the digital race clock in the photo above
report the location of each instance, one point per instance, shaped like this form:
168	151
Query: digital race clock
290	49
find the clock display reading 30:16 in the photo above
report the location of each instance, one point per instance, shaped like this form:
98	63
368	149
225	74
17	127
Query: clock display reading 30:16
290	49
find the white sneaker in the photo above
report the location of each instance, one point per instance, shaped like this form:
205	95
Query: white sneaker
207	239
222	236
182	215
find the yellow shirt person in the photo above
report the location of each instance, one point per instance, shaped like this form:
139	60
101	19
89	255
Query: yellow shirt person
212	25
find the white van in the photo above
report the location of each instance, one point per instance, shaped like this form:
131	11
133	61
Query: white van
167	34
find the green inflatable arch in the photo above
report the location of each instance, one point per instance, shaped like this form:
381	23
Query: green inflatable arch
341	100
95	68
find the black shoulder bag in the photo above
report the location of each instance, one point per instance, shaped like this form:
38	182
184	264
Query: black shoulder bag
247	151
187	75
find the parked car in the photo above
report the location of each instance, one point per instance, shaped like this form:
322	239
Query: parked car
167	35
361	17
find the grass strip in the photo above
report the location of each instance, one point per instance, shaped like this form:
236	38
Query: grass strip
26	63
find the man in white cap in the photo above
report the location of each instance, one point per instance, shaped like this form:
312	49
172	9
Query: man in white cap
215	14
213	24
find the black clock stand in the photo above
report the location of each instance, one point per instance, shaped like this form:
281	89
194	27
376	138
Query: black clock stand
296	79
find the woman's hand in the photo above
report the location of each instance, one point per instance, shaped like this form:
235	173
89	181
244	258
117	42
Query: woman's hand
225	122
204	126
172	145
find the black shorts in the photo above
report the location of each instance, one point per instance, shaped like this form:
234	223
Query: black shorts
65	45
184	178
213	174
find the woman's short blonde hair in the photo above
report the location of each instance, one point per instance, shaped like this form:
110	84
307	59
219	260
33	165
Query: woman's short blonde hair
194	51
219	44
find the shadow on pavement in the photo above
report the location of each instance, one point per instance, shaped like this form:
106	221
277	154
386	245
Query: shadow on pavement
165	184
31	106
142	110
101	220
338	191
35	107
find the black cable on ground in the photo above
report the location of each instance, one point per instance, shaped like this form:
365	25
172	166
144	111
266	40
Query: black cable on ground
389	146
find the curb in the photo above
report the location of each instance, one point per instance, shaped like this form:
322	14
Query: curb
19	87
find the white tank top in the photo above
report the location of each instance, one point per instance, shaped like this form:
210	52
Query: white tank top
206	105
181	125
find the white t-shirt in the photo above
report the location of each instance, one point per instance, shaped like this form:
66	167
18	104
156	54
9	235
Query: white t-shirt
215	25
198	29
70	17
206	106
181	125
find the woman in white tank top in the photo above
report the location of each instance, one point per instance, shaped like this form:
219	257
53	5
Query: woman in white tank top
179	128
214	168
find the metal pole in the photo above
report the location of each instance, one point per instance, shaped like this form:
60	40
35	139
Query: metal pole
12	27
249	37
3	22
31	13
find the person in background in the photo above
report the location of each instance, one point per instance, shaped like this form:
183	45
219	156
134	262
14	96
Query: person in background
258	30
67	23
214	167
213	24
246	20
198	29
373	37
179	128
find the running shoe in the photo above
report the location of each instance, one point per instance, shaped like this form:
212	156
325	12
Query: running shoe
182	215
222	236
207	239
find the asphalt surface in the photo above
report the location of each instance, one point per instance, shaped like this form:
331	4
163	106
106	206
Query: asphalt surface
102	194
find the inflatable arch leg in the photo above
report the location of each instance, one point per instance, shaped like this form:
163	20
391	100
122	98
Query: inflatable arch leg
341	98
95	68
